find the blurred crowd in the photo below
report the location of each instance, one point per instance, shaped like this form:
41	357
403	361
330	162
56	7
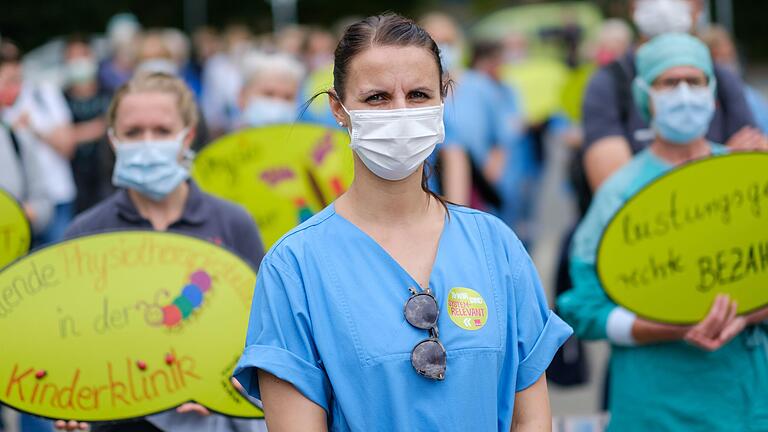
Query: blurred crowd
507	101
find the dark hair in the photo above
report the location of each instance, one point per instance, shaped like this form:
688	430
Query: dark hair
388	29
381	30
9	52
485	49
77	39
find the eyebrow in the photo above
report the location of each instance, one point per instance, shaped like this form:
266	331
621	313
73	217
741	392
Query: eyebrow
377	91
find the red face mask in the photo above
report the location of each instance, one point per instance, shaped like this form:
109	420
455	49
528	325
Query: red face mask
9	94
604	57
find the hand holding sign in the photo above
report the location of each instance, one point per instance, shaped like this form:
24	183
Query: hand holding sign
123	325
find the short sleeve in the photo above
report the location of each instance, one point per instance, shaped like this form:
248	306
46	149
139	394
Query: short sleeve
280	339
732	97
539	331
600	108
51	110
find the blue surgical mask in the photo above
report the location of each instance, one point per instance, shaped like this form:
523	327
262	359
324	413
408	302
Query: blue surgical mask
682	114
149	167
262	111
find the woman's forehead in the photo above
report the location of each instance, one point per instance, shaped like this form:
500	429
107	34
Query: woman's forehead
682	72
382	67
148	108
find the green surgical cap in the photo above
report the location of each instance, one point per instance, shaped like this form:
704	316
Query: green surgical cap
662	53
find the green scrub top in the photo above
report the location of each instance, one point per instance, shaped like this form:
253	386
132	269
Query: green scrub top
666	386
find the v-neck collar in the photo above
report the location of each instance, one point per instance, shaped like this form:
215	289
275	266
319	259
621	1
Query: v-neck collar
388	256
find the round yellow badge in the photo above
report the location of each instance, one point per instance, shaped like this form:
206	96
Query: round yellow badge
467	308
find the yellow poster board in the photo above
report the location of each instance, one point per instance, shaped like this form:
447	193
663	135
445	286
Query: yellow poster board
699	230
124	324
281	174
15	234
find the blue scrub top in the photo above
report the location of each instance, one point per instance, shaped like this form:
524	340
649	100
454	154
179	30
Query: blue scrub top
484	114
327	317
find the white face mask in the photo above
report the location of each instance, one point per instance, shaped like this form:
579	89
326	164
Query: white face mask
655	17
262	111
393	144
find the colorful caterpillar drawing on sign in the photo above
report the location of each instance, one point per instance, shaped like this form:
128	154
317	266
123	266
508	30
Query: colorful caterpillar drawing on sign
189	300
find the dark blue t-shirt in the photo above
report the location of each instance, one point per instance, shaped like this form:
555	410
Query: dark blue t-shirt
204	216
603	105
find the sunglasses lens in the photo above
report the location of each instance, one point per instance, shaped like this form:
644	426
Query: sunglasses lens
421	311
428	358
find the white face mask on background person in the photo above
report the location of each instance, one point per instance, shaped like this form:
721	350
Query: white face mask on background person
156	65
262	111
80	71
655	17
393	144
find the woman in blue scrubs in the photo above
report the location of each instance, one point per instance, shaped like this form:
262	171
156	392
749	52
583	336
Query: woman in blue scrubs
390	310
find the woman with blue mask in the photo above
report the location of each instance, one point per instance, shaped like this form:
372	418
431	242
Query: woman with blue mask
707	377
151	124
271	87
391	310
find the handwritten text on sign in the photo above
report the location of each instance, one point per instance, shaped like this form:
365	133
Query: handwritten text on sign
698	231
281	174
122	325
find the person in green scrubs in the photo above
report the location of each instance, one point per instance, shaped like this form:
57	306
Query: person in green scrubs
712	376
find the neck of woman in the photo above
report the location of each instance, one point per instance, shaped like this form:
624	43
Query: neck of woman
161	214
383	202
677	154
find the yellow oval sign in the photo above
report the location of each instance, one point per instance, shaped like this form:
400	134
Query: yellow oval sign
124	324
467	308
699	230
281	174
15	234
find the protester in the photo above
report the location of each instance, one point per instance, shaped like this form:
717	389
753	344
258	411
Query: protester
318	58
152	122
154	54
724	53
222	81
21	173
488	124
709	376
613	41
206	43
269	95
451	164
614	129
123	31
40	111
327	345
318	49
87	102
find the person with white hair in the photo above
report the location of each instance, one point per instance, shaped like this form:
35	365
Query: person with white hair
222	80
269	95
123	31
